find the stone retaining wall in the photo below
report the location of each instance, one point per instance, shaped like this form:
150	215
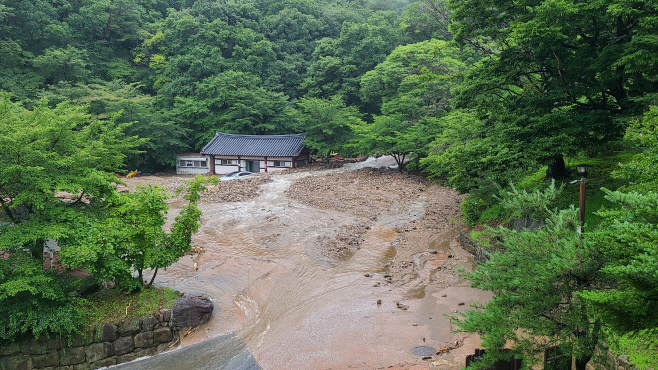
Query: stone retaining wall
480	253
105	345
603	359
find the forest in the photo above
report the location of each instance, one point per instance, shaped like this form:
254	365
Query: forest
495	98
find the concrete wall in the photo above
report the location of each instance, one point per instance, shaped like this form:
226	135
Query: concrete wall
106	345
184	169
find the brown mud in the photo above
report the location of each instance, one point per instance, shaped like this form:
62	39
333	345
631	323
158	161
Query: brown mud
348	267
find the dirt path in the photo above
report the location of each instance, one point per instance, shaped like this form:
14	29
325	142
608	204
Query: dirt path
342	268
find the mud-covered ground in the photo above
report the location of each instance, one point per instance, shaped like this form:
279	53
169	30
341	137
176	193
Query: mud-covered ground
329	267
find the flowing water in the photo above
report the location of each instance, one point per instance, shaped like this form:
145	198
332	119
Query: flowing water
289	306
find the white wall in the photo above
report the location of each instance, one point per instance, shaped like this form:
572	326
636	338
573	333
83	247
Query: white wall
223	170
191	171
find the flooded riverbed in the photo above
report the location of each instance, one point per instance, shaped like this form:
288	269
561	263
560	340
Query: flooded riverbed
294	306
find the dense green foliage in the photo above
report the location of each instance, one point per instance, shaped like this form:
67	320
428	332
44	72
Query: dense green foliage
629	238
535	282
55	188
488	97
185	69
48	153
555	287
561	77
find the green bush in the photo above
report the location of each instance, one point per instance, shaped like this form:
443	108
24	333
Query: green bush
641	348
534	180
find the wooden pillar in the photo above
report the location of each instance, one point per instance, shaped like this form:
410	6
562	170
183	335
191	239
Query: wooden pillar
581	204
265	164
239	166
212	164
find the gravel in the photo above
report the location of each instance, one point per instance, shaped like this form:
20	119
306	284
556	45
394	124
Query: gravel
349	237
238	190
367	192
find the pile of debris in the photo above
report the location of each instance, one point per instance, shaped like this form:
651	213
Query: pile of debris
348	238
238	190
366	192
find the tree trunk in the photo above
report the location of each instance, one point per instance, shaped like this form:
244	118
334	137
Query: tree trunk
107	28
152	278
557	168
399	159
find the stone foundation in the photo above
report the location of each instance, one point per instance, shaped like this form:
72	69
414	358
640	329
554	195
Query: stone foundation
603	359
479	253
105	345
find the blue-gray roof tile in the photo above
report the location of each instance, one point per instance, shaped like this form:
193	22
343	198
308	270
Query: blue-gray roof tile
255	145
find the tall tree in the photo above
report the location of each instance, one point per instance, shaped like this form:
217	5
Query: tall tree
536	279
132	239
563	76
628	302
125	103
390	135
339	63
415	80
53	180
326	123
63	64
233	102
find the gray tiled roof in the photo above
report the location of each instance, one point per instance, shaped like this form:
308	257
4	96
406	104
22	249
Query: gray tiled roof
255	145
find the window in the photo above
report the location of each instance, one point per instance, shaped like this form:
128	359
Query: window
229	162
281	164
202	163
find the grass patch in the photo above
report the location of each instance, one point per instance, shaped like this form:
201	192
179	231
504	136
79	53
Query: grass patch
482	237
112	305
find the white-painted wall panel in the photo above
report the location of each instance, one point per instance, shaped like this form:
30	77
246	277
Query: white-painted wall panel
191	171
223	170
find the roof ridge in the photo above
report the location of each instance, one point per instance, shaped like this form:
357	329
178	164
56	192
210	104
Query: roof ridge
258	136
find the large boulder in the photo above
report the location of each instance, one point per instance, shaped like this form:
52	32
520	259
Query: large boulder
191	311
98	351
129	328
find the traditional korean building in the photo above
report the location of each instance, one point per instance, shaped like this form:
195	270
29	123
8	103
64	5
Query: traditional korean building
255	153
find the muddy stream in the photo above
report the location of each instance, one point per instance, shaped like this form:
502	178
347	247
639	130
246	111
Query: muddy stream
294	306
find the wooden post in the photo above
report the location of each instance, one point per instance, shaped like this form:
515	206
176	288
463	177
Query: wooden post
239	166
265	164
581	204
212	165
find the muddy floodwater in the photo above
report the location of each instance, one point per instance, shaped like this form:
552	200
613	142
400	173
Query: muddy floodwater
299	297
